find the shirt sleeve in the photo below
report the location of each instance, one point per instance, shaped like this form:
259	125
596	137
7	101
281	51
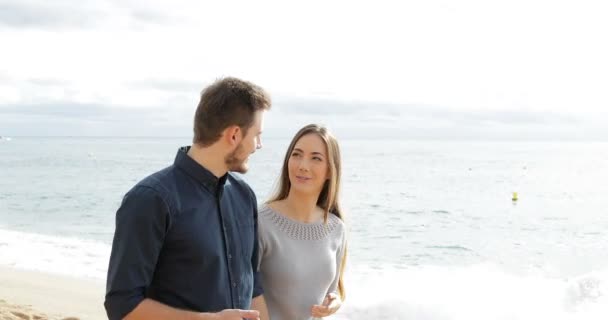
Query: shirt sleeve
256	257
339	255
141	224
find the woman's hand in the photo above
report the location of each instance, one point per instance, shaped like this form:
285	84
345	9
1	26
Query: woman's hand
331	304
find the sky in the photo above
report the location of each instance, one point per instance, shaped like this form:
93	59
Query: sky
428	69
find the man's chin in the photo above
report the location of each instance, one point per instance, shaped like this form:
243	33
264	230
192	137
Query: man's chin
242	168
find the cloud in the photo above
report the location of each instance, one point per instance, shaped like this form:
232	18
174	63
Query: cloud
375	111
159	12
58	109
49	82
77	14
83	119
175	86
44	14
346	119
359	119
91	111
4	78
149	16
52	126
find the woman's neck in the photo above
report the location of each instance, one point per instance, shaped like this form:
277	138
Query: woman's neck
301	208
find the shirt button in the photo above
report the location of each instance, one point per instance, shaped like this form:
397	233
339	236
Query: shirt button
229	256
234	284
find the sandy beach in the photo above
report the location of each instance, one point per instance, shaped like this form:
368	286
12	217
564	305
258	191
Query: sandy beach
36	295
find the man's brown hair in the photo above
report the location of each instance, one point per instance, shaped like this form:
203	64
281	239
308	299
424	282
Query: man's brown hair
227	102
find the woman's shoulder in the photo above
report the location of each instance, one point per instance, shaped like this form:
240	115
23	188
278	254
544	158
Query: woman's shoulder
272	212
263	207
265	213
336	223
335	219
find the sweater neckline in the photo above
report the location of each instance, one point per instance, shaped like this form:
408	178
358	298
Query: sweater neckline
300	230
276	212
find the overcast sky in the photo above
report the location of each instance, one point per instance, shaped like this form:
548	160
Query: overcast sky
421	69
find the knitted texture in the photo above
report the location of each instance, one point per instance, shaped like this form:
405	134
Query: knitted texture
299	230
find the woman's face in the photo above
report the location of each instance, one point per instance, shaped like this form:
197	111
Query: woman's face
308	165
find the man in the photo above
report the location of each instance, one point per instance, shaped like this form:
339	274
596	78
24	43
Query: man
185	245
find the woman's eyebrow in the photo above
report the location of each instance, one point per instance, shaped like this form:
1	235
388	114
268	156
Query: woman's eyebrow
314	152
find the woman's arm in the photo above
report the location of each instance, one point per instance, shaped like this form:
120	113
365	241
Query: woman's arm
330	305
333	300
258	303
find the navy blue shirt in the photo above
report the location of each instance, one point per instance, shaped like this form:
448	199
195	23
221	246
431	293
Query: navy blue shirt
186	239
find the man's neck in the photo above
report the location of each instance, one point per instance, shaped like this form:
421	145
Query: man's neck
209	157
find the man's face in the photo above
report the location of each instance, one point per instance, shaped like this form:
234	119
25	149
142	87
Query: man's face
237	160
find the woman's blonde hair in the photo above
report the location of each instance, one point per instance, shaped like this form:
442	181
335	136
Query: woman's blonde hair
329	197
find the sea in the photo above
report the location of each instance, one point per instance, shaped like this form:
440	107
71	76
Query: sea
434	232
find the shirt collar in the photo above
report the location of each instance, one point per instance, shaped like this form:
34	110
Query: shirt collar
198	172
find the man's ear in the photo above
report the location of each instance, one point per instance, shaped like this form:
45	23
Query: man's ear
233	135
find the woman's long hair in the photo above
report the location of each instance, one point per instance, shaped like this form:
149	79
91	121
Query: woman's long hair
329	197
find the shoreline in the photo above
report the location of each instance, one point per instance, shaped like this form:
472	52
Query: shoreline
28	294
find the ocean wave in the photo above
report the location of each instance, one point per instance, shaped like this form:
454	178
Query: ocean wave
480	292
74	257
476	292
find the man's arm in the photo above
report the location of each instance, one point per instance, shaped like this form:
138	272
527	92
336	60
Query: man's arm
258	302
258	252
150	309
141	224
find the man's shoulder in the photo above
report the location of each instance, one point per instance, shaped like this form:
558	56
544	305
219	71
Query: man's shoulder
160	183
238	182
159	178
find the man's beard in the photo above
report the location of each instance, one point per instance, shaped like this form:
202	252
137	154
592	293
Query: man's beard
234	163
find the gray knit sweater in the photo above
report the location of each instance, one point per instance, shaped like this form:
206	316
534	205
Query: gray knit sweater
299	262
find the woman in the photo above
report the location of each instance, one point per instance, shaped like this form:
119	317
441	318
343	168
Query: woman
302	236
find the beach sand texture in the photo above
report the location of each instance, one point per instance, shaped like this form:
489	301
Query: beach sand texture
16	312
35	296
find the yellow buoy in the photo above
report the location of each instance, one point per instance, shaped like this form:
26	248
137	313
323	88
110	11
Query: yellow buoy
514	196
